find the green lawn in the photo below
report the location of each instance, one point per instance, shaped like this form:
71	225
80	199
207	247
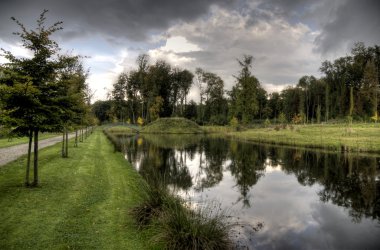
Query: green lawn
82	202
358	137
20	140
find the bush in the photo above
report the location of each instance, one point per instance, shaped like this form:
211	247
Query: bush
234	123
266	123
218	120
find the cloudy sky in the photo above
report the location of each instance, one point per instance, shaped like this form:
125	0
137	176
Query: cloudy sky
287	38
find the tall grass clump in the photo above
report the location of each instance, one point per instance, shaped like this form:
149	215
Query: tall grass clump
175	225
152	205
180	227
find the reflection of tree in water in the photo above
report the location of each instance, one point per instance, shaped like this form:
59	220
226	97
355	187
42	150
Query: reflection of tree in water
348	181
159	164
212	154
169	167
247	166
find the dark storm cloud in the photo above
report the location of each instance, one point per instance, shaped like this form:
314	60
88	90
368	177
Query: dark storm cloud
131	19
352	22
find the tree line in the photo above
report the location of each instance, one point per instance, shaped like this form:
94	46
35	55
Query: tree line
46	92
347	90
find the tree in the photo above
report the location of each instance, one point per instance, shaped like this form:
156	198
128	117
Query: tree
119	95
371	88
216	106
181	83
29	87
246	103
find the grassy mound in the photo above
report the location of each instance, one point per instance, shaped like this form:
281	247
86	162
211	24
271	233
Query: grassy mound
172	126
120	129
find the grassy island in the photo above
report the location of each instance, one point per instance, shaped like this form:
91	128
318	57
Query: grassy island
172	126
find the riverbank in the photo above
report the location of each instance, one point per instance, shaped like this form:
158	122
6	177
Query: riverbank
83	201
336	137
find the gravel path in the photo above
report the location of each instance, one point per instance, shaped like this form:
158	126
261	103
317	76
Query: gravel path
12	153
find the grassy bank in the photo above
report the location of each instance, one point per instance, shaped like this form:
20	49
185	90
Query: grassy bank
4	142
355	138
83	201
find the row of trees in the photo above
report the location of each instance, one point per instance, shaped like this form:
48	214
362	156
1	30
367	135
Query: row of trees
348	89
46	92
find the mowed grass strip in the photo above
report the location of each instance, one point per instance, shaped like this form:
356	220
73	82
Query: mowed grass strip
357	137
82	202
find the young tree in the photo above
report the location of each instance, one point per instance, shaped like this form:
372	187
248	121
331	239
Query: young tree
247	105
29	87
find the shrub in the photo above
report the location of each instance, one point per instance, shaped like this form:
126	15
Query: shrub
266	123
234	123
140	121
282	118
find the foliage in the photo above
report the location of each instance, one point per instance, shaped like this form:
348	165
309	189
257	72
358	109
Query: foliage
234	123
282	118
244	96
140	121
267	122
44	93
156	108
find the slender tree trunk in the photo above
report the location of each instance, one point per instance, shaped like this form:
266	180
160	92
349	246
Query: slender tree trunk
67	143
35	159
327	103
351	102
76	138
29	156
63	143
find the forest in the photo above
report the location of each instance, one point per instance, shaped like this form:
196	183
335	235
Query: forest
347	91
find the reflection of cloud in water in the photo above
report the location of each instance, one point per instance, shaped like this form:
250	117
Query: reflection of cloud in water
259	184
334	224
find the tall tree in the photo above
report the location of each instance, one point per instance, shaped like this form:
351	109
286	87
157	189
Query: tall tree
247	87
119	96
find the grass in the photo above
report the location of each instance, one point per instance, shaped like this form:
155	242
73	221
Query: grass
341	137
187	229
4	142
82	202
172	126
174	225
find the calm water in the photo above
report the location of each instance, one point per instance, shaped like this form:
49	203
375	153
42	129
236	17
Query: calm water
305	199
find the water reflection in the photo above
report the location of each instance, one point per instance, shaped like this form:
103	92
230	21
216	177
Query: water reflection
306	199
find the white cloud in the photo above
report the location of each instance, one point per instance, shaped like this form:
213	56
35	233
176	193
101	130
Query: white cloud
283	51
16	49
179	44
171	51
106	69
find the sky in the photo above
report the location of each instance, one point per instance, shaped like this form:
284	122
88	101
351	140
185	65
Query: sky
287	38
